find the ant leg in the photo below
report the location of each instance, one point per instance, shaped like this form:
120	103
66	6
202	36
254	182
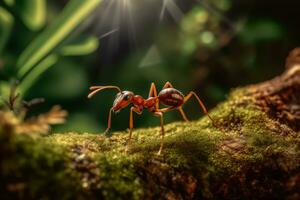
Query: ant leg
153	93
200	102
132	109
163	110
168	85
108	126
162	134
171	108
183	114
152	90
109	121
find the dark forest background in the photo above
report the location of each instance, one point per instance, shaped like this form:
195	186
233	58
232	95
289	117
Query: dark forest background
207	46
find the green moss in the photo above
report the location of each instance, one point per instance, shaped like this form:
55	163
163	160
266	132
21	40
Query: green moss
118	178
37	169
199	160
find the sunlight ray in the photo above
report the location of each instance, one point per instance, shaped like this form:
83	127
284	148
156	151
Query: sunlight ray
173	9
117	18
109	33
127	9
152	58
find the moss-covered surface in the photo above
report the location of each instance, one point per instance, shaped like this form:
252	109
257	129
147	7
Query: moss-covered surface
249	156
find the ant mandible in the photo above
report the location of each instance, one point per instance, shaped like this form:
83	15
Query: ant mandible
168	96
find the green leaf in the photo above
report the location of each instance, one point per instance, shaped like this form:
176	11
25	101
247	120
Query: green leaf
74	13
33	13
36	72
82	46
6	23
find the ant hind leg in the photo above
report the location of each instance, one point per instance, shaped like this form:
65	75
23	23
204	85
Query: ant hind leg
200	103
183	114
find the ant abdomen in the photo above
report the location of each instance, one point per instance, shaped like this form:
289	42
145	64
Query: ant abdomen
171	97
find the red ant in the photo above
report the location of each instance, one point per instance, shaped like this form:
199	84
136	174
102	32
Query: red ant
168	96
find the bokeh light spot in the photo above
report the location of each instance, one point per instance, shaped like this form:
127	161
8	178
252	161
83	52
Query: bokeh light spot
207	37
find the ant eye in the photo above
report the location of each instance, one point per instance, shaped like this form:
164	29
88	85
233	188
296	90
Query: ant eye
126	97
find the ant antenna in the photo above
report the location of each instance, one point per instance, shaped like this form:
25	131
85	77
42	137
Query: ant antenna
100	88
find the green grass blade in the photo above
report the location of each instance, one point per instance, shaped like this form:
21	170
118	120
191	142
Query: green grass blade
74	13
6	23
82	46
33	13
36	72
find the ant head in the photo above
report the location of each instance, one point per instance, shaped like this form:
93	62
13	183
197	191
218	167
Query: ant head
122	100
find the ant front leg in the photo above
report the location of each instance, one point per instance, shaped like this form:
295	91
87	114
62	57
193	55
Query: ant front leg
169	85
132	109
109	121
160	114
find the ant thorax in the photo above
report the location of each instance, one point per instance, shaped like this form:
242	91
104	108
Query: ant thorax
150	103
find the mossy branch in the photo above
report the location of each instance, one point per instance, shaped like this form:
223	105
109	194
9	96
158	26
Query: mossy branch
254	155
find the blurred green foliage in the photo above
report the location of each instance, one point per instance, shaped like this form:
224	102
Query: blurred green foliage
45	47
216	45
261	30
41	44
